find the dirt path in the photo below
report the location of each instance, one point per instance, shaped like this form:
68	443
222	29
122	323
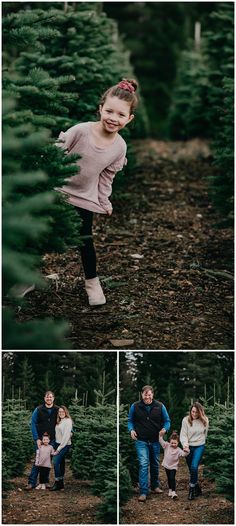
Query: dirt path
165	268
75	505
210	508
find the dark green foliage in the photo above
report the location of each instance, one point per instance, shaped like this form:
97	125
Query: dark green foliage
219	453
94	454
107	510
128	454
155	33
125	483
188	116
17	443
202	103
73	376
38	334
56	64
26	221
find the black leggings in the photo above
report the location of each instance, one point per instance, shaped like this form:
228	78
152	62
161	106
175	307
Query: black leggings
43	474
87	250
171	478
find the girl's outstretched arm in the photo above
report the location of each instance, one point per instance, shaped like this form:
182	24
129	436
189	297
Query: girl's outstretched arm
163	443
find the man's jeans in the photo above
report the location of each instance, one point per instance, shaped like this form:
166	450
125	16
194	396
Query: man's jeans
148	454
59	463
193	461
35	469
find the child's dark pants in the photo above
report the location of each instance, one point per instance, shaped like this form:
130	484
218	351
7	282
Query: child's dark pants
43	474
171	478
87	250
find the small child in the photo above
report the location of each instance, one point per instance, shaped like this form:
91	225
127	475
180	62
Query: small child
172	453
103	153
43	460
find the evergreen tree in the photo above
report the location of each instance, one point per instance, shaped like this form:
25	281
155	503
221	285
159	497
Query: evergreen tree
220	52
26	380
71	375
219	454
17	442
94	454
155	33
57	62
25	222
125	483
202	103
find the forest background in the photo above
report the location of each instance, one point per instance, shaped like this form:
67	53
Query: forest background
178	380
58	57
86	383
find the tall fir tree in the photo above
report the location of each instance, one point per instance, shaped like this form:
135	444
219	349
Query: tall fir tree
57	60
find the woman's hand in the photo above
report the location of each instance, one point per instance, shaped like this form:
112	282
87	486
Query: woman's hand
186	448
56	452
109	212
39	443
133	434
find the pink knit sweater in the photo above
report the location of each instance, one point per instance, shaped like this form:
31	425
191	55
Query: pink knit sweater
171	455
92	186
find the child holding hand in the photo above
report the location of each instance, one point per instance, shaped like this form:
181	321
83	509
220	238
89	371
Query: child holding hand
103	153
172	454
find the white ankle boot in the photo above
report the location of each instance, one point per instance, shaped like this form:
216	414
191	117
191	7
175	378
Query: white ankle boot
95	292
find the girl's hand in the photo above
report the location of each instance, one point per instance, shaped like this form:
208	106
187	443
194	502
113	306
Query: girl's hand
55	452
133	434
109	212
162	432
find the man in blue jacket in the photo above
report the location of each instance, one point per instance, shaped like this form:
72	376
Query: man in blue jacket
44	419
146	419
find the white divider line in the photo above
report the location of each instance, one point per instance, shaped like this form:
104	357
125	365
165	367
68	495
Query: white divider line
118	448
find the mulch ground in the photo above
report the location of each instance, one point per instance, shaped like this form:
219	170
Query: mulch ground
166	268
210	508
74	505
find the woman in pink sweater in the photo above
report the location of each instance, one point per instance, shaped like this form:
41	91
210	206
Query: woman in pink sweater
172	454
103	153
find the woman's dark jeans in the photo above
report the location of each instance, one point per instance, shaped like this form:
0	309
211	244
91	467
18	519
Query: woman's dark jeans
87	250
59	462
193	460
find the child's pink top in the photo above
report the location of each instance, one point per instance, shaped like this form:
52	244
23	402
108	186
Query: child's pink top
43	456
92	186
171	455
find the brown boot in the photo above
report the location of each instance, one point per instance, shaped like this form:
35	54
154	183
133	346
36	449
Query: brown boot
95	292
142	498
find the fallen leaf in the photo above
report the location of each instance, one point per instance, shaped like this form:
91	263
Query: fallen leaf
136	256
122	343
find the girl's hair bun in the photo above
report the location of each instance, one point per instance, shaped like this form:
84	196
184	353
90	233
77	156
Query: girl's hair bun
133	83
174	435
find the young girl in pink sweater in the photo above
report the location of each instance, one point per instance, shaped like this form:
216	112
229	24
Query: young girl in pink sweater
103	153
172	454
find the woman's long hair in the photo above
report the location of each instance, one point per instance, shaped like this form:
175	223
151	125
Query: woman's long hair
201	414
67	414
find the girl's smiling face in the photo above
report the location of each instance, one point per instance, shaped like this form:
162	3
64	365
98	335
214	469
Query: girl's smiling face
174	443
45	440
115	114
